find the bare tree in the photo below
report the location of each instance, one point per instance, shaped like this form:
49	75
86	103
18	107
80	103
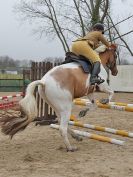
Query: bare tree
70	19
62	20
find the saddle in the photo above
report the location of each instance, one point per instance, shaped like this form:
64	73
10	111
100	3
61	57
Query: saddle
83	61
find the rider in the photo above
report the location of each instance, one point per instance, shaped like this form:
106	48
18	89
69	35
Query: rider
85	46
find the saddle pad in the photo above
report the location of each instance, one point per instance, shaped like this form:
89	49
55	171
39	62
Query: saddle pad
86	66
84	63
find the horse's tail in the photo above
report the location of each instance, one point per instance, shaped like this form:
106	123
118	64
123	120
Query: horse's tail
28	103
28	110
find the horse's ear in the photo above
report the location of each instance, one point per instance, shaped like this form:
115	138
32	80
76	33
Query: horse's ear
113	46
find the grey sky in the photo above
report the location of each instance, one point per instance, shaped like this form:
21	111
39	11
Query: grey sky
17	41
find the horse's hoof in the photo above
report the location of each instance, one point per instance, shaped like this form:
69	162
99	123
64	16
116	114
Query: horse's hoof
83	112
104	101
79	138
46	122
72	149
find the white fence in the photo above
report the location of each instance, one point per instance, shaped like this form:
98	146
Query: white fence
123	82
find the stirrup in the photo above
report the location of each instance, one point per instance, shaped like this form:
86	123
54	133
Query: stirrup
97	80
100	80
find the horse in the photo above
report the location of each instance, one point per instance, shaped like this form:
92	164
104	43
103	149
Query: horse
58	87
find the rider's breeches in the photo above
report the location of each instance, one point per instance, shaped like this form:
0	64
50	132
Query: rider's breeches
84	49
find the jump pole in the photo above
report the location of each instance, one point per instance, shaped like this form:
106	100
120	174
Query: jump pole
9	105
12	96
103	129
111	103
104	106
121	104
82	102
116	107
93	136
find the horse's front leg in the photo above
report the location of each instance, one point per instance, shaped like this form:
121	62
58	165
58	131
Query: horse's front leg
91	106
104	87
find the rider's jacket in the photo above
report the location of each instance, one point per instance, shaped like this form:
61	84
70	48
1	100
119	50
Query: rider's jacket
93	38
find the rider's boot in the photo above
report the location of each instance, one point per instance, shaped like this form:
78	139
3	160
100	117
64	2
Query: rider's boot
95	79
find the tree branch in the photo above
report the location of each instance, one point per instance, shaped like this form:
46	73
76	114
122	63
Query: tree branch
119	22
105	10
59	26
84	1
123	35
95	12
120	36
53	22
92	5
80	17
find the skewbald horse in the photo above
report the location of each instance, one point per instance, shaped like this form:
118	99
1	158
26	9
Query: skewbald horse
58	88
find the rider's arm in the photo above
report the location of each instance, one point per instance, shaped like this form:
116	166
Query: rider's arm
103	40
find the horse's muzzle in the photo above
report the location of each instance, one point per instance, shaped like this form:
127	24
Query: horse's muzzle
114	73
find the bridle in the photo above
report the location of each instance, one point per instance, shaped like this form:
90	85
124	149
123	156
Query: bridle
111	64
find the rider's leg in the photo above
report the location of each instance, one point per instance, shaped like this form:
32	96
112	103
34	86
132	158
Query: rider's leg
94	75
83	48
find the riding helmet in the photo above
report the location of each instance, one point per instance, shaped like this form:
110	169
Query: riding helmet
99	26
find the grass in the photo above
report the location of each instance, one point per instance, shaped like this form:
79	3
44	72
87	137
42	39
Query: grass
12	82
11	76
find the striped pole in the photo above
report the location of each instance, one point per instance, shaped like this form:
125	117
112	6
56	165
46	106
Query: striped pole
121	104
11	96
111	103
73	118
104	129
7	105
116	107
81	99
84	102
93	136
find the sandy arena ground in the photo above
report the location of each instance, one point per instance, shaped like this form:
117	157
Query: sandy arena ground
39	151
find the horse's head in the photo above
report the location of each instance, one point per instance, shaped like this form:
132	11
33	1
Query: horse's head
108	59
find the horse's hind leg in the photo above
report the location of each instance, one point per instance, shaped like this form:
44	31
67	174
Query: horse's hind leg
74	135
65	116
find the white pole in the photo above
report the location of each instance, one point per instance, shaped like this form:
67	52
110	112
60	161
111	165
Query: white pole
111	103
104	106
104	129
93	136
